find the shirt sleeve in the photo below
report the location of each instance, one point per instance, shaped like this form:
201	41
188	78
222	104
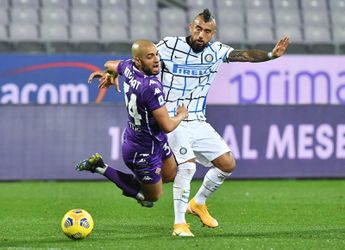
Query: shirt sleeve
162	43
153	96
120	68
225	50
163	48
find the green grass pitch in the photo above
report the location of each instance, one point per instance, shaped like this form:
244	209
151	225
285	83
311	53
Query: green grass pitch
261	214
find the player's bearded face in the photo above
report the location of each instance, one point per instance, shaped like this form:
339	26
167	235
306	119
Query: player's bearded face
201	33
149	61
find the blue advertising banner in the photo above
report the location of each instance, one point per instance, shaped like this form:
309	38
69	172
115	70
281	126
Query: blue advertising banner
51	79
46	141
289	80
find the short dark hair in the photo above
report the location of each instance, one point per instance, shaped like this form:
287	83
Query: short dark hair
206	15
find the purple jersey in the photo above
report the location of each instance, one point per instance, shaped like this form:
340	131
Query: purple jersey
145	145
143	94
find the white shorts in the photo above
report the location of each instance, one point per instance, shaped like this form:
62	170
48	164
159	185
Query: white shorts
197	139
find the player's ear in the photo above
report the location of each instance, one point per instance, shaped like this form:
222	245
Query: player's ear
137	62
190	27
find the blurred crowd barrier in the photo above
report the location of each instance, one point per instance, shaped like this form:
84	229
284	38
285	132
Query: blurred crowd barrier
269	141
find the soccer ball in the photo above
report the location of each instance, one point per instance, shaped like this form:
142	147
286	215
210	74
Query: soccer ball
77	224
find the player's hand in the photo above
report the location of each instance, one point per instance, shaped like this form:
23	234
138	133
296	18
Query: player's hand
96	74
183	111
105	81
281	47
108	80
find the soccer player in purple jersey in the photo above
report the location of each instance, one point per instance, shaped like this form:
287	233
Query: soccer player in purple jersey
145	148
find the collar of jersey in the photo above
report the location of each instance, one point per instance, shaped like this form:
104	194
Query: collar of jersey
137	71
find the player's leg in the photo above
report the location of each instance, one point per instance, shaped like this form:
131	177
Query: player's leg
180	145
224	165
212	181
147	168
147	191
169	167
166	168
169	170
129	185
126	182
181	192
210	149
152	192
148	172
146	185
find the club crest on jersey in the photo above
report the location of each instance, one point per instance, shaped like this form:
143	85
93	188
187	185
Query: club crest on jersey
183	151
158	171
208	58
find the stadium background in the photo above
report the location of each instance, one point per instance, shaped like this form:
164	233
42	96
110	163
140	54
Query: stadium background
283	118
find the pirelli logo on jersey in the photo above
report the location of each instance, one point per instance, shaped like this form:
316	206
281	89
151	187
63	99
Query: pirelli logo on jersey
191	70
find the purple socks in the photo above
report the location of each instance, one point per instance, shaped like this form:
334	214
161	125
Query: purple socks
126	182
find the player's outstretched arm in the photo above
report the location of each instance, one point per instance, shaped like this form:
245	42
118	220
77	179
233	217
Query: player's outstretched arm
255	55
167	123
111	66
112	74
108	77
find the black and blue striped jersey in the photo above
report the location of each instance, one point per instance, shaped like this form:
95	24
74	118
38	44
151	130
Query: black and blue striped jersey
187	76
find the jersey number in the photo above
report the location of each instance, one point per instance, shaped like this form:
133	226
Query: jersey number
132	105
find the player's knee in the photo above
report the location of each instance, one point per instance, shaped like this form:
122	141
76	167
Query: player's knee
154	196
227	163
186	170
232	165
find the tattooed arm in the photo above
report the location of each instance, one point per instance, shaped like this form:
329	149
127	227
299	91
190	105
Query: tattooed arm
252	55
255	55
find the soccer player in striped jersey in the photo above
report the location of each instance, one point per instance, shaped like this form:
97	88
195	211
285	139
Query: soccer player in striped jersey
145	149
189	65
